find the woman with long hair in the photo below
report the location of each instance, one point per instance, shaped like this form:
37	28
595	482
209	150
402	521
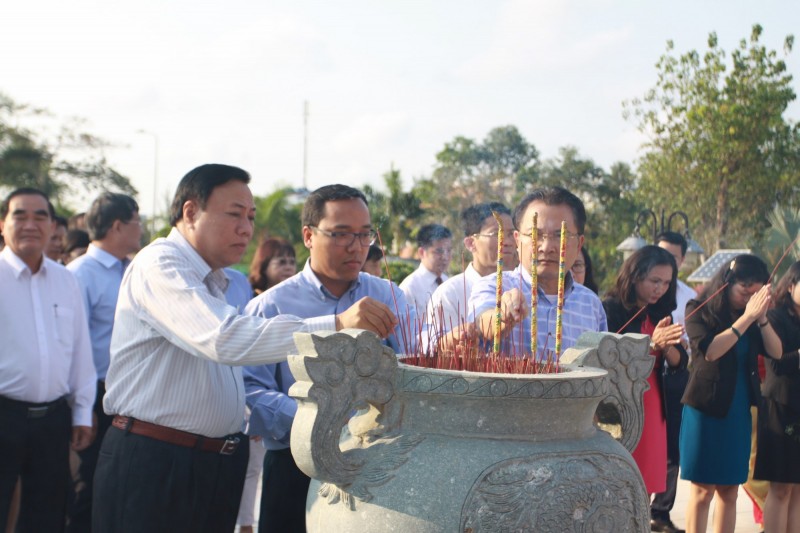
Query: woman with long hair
273	262
726	336
778	455
582	271
647	280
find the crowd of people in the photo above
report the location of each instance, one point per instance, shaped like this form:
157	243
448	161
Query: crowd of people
148	389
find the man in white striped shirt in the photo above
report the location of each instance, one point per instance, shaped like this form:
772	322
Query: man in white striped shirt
172	459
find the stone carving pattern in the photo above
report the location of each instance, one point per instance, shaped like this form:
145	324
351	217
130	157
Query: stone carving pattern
586	492
589	387
347	371
628	362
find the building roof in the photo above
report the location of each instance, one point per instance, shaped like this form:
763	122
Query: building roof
706	271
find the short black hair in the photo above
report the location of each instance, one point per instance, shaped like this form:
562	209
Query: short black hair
107	209
76	238
474	216
375	253
314	208
432	232
199	183
59	220
24	191
673	237
552	196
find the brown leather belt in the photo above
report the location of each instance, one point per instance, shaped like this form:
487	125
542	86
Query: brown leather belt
175	436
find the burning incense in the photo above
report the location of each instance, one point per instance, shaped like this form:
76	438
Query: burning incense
499	297
628	323
562	273
785	252
696	309
534	282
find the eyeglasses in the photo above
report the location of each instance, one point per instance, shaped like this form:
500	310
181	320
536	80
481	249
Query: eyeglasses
487	235
137	221
347	238
542	236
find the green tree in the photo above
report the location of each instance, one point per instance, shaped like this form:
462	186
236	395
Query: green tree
394	213
719	145
71	161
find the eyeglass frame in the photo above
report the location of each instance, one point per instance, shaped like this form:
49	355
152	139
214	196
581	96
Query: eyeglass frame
372	234
541	236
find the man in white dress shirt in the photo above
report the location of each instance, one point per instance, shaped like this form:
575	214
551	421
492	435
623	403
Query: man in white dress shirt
175	458
435	247
447	310
47	379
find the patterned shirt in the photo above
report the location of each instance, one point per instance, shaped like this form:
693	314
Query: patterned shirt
583	311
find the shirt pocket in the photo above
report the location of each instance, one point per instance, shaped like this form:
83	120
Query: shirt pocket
65	326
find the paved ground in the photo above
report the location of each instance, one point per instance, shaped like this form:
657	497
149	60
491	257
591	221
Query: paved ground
744	507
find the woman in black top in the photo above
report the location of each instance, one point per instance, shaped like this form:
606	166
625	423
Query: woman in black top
778	455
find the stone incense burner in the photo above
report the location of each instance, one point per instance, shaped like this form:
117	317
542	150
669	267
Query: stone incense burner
393	447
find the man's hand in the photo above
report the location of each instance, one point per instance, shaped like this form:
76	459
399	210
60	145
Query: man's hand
81	437
368	314
513	310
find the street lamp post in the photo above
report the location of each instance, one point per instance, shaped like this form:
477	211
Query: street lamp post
636	241
155	180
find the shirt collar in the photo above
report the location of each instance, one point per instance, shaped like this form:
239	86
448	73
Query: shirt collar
308	276
104	258
18	265
197	262
526	275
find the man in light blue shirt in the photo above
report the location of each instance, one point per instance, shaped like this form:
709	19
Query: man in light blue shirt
583	310
337	230
116	231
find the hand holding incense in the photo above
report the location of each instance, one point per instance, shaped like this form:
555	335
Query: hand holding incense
499	293
562	272
534	282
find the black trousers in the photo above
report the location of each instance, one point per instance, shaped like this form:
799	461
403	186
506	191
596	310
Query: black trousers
674	384
79	508
283	494
35	449
142	484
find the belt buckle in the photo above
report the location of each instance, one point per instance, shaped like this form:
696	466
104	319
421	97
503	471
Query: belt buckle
230	446
37	412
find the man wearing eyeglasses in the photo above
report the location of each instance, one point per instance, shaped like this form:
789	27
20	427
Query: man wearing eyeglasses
447	310
338	231
435	247
583	310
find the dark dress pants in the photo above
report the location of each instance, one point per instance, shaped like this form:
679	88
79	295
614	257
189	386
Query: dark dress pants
79	509
35	449
284	490
674	385
142	484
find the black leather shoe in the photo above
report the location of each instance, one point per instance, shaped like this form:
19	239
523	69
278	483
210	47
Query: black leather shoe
665	526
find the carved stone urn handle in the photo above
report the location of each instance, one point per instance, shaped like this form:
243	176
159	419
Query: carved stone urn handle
337	373
628	362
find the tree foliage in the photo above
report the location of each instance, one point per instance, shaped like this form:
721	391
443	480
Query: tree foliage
719	145
71	161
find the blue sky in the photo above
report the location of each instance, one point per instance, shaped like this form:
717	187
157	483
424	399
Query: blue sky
387	82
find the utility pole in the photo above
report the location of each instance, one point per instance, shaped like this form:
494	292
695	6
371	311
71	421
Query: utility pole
305	144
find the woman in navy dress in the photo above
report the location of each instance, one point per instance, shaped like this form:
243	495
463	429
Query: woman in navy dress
778	455
726	336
